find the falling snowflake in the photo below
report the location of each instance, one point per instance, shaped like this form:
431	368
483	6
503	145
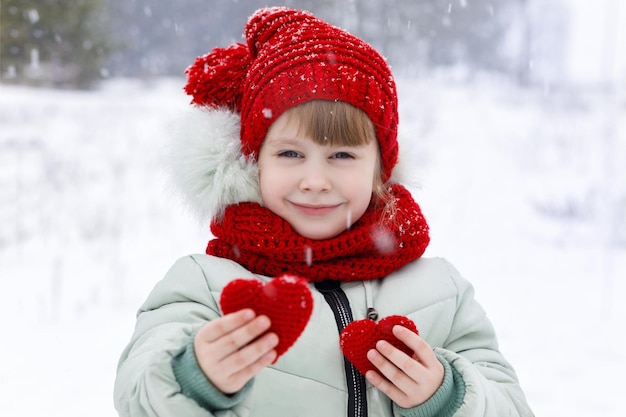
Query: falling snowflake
383	239
33	16
349	220
267	113
270	291
292	279
308	255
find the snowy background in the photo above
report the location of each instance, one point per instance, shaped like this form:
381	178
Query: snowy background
524	189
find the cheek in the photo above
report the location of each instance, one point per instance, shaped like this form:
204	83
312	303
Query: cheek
263	171
373	174
269	185
263	181
361	191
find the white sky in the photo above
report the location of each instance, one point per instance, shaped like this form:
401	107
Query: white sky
597	48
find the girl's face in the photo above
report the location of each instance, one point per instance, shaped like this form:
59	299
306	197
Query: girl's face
320	190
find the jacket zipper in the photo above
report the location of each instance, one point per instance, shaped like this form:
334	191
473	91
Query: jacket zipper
340	306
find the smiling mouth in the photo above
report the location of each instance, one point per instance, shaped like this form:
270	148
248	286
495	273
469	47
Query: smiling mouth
315	210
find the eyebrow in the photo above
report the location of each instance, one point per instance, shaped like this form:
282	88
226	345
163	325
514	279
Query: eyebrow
282	141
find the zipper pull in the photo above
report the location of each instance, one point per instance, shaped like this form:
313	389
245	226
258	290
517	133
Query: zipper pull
372	314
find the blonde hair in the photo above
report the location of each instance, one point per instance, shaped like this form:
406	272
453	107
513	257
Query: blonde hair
337	123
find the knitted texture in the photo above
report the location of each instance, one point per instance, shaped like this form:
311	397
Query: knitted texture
372	248
358	337
215	79
285	300
291	57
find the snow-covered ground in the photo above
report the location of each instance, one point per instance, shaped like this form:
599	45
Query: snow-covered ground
525	192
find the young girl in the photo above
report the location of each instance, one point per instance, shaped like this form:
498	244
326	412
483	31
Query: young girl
290	151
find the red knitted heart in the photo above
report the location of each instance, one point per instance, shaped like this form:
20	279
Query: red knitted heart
285	300
358	337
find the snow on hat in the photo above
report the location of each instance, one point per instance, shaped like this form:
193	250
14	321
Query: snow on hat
291	57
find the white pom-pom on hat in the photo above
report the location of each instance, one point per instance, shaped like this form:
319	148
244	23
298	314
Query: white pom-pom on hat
206	165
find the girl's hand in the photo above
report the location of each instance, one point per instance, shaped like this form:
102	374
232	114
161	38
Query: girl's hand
230	351
408	381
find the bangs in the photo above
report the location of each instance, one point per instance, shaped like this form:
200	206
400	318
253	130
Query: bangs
334	123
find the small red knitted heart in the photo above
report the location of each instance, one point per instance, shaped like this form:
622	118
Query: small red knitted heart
358	337
285	300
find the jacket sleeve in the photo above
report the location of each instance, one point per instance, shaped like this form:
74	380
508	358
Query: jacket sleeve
444	402
176	308
491	385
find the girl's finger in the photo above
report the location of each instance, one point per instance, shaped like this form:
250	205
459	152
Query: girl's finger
248	361
242	336
422	350
383	385
232	372
399	368
217	328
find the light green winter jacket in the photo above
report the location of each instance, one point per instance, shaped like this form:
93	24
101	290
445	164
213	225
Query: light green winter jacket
309	379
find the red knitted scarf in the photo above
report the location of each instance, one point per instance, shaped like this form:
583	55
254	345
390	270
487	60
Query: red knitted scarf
266	244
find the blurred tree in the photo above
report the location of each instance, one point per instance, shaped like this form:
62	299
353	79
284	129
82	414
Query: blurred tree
53	42
165	37
437	33
64	41
157	38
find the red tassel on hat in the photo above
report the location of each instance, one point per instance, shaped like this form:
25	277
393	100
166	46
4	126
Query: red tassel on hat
216	78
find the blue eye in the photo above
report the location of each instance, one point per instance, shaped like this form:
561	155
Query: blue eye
342	155
289	154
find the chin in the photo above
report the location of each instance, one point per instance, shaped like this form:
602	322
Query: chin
319	234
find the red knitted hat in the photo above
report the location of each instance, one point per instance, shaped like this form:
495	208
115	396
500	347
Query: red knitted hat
292	57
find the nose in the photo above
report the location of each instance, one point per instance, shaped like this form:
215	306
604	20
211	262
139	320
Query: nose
315	178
